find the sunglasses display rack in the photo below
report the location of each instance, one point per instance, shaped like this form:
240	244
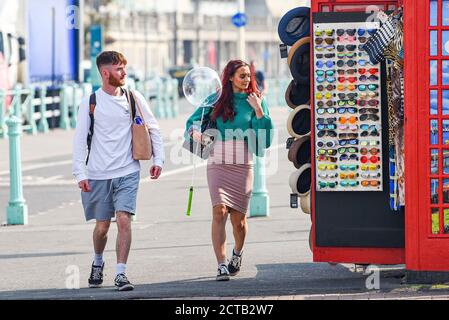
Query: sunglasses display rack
347	104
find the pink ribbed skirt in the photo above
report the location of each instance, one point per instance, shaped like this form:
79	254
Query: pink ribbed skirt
230	175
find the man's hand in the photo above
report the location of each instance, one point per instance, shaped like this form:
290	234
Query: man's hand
155	172
84	186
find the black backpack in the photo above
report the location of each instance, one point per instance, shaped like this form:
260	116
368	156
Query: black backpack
92	104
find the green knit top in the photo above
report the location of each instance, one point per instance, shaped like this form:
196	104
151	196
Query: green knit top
258	133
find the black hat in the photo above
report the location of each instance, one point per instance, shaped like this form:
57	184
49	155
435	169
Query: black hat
299	60
294	25
299	152
300	180
297	94
298	122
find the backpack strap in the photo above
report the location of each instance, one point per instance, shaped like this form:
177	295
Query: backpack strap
92	104
131	101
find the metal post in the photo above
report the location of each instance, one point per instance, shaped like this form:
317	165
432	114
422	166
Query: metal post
168	99
241	43
17	210
160	108
64	122
3	126
74	107
43	123
175	100
32	128
260	201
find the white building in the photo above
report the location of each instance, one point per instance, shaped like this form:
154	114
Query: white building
157	34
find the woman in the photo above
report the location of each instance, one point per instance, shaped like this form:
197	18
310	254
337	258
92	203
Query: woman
244	128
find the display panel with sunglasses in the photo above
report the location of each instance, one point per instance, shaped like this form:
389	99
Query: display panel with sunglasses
347	104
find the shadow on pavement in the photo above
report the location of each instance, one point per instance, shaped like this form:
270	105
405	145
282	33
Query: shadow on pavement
270	280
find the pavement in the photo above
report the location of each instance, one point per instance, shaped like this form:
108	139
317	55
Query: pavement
171	255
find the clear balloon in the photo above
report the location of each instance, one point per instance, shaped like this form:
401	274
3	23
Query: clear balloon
202	87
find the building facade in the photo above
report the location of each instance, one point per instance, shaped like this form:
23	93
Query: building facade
158	34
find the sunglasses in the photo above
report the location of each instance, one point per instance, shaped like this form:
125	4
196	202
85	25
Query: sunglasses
372	159
362	39
349	63
329	152
350	110
326	110
324	184
350	87
345	157
345	142
370	78
342	103
364	87
349	32
328	133
350	183
363	62
361	47
348	150
326	158
370	175
324	175
320	64
372	151
362	31
329	103
344	120
372	117
368	183
346	38
350	96
350	79
370	70
368	110
351	175
342	72
342	55
369	167
328	32
351	127
348	135
350	167
328	47
327	40
326	120
325	55
371	143
367	133
329	87
327	167
368	127
329	144
327	73
327	95
322	79
371	103
349	47
371	94
329	126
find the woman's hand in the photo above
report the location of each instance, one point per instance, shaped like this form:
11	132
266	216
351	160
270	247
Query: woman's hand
255	101
196	136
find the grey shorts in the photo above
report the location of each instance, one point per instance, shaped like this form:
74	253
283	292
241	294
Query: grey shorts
110	196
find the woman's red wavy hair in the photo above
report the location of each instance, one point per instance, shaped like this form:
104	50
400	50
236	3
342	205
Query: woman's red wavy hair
224	107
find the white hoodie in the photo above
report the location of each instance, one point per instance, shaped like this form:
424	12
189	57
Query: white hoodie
110	155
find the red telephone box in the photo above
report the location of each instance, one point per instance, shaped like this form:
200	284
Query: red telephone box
419	235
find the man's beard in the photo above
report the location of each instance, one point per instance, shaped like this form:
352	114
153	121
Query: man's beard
115	82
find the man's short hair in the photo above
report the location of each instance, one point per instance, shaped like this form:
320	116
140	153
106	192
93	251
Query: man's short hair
110	57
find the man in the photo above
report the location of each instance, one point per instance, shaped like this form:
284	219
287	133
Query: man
110	180
260	78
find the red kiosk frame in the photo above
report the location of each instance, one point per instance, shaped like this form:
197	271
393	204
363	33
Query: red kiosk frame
426	249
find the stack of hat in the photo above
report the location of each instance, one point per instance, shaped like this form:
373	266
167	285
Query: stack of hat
294	32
